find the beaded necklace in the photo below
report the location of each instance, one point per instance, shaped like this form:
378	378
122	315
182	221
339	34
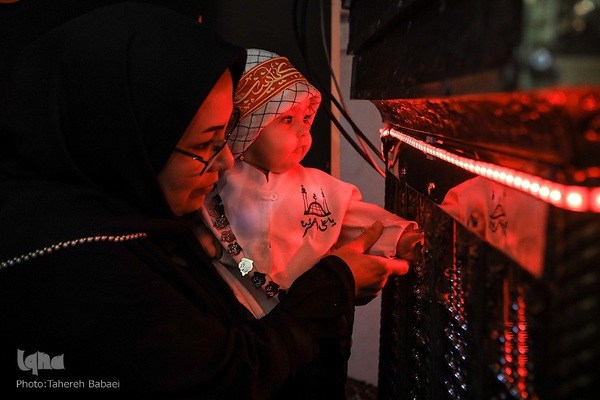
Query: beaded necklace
69	243
216	210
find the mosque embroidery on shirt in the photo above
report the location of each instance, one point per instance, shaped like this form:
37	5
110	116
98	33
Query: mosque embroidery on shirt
320	213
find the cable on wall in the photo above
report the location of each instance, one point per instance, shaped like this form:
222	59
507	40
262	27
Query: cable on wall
299	16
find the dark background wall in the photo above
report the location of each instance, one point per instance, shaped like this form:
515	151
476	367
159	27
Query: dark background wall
24	21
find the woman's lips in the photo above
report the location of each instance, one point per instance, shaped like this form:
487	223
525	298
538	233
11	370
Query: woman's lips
202	190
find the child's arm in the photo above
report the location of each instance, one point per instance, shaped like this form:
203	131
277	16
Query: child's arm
399	238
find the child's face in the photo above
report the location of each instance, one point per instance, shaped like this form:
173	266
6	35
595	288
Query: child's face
283	143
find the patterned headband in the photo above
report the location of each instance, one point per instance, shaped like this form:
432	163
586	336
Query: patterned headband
263	82
269	87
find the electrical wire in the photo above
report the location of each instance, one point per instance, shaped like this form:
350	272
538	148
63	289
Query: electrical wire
299	14
330	97
364	142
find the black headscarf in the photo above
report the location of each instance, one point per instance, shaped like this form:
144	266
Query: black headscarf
24	21
94	110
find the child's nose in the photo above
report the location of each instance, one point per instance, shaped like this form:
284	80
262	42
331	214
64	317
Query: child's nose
303	129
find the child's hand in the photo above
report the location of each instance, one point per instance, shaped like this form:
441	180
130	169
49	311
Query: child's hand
370	272
208	241
405	248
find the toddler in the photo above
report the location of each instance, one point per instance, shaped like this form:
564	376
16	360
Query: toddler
274	217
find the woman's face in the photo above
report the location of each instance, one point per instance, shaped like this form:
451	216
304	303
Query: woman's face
180	179
282	144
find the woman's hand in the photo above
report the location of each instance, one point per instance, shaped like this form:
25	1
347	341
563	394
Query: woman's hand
370	272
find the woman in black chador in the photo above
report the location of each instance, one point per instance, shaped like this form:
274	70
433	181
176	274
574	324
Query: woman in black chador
104	289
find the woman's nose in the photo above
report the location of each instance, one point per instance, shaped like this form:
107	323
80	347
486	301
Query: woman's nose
224	160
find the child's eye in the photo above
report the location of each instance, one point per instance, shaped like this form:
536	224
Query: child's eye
287	119
307	119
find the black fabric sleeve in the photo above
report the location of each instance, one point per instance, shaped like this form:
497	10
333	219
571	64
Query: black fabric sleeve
323	300
115	319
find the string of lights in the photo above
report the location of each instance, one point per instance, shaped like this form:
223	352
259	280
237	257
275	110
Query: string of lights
569	197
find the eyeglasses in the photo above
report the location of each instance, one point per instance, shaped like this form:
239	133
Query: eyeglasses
233	120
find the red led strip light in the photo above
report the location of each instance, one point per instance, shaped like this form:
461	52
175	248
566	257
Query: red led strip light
572	198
